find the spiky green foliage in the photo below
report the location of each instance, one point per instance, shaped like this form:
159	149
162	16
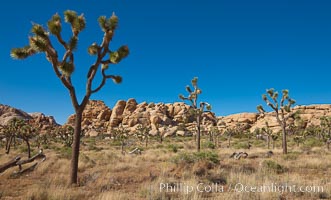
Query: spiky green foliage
38	44
103	23
39	31
108	24
54	24
22	53
70	16
117	56
67	68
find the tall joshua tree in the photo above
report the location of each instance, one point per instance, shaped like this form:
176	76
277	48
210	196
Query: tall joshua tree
283	110
64	66
197	108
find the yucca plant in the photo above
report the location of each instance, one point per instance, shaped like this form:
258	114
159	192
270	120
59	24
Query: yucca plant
198	108
64	65
283	110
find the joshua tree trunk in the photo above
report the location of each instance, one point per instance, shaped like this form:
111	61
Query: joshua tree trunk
268	141
29	148
273	144
211	137
75	147
198	133
146	141
284	144
229	141
122	147
216	141
8	144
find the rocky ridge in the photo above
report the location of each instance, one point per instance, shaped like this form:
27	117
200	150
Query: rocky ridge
171	118
7	113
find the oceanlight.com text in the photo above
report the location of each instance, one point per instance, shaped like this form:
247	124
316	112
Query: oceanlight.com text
239	188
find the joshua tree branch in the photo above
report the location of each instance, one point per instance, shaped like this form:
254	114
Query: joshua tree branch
103	82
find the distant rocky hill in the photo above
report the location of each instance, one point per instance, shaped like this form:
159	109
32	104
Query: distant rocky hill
171	117
7	113
168	118
310	114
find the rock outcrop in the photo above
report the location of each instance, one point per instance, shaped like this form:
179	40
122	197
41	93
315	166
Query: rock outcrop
162	118
7	113
44	122
177	119
96	116
309	114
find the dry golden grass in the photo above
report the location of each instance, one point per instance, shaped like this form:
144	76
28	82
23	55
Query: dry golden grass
105	174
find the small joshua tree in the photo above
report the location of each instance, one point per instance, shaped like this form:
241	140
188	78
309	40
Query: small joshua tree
65	134
26	133
40	42
197	108
326	130
283	110
143	133
274	137
215	132
121	134
11	131
268	132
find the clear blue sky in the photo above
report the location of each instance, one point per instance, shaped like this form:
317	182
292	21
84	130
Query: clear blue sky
237	48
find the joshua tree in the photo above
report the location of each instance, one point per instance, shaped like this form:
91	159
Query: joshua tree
214	133
268	133
229	132
161	133
26	132
283	110
65	134
143	133
326	126
11	131
274	137
6	134
326	130
121	135
198	108
40	42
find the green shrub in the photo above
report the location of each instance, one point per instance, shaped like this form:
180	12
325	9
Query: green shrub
291	156
174	148
259	143
312	142
273	166
65	152
209	145
240	145
194	157
159	146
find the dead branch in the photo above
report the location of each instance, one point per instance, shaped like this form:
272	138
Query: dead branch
18	162
9	164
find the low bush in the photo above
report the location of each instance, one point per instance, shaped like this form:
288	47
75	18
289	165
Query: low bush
273	166
209	145
197	156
